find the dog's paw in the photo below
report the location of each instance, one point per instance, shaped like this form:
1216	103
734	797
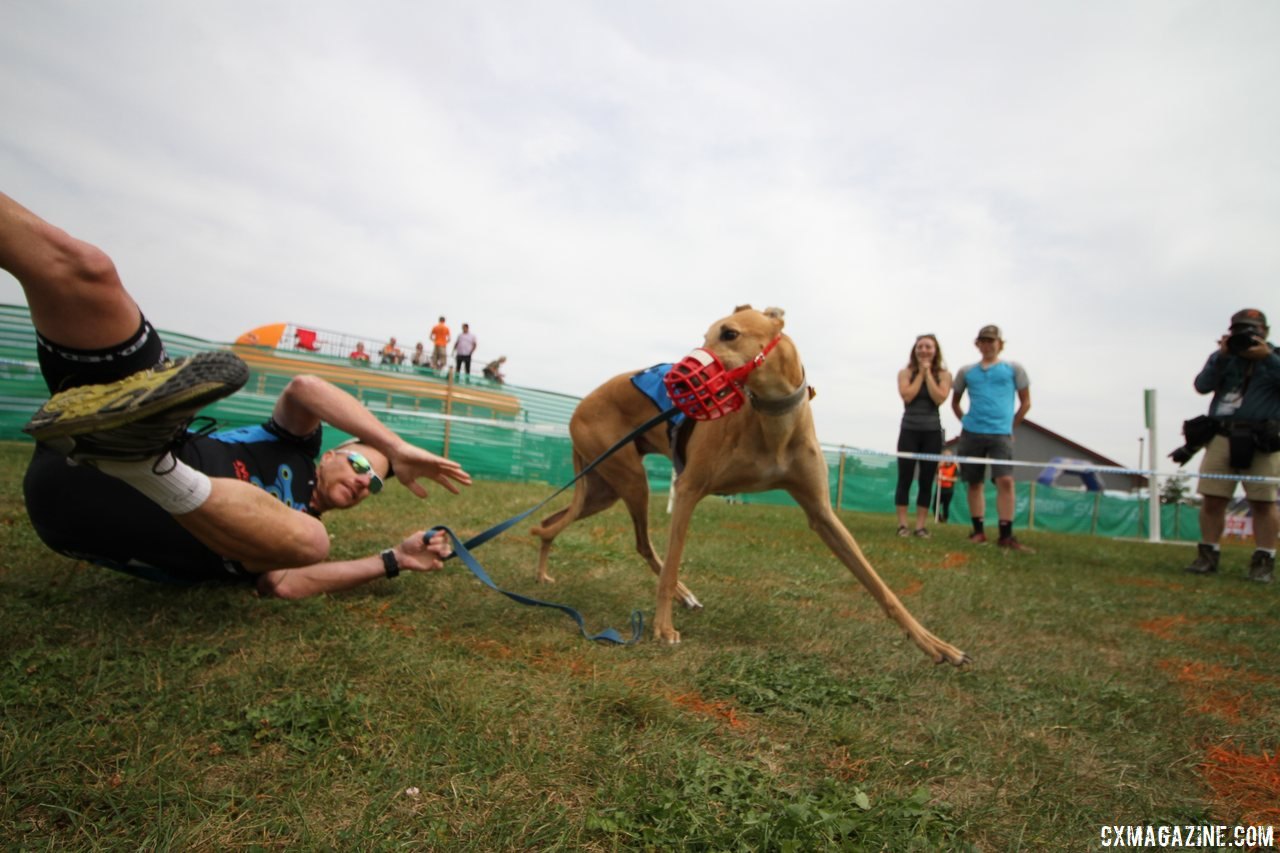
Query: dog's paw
670	636
545	579
690	601
955	657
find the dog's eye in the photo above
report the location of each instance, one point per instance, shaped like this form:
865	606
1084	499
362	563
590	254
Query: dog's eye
727	334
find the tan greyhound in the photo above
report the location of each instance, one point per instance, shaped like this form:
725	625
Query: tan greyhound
769	444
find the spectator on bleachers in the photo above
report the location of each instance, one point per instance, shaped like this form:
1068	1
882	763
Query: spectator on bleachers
359	355
392	354
463	348
440	340
493	370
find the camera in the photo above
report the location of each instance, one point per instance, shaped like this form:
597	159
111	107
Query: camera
1198	432
1240	342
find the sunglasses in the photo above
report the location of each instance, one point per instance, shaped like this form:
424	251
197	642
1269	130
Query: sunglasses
361	465
988	340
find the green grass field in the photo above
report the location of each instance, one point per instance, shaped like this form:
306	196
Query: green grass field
431	713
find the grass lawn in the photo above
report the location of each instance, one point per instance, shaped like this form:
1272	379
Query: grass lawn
431	713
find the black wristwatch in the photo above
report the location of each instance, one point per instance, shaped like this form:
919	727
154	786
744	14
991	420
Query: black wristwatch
389	563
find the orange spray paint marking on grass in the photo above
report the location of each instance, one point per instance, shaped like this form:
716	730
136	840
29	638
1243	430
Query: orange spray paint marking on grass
719	710
1247	786
1247	783
950	560
1150	583
381	619
1209	688
1165	626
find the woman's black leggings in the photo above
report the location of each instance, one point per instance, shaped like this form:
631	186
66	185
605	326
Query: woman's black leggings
917	441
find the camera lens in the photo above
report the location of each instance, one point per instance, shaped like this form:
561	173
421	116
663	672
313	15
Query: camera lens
1240	342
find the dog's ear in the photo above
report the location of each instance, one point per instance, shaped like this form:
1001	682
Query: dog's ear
776	314
813	392
741	308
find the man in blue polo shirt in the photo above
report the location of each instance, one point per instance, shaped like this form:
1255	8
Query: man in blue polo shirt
994	386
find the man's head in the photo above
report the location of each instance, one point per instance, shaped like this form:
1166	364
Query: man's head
1249	319
990	341
348	474
442	319
466	327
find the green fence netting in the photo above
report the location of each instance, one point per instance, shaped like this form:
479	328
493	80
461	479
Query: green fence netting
865	481
524	436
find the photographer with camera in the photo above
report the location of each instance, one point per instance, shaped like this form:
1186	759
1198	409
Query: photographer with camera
1244	377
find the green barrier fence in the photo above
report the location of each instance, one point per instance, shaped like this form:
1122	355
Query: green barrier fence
865	481
506	432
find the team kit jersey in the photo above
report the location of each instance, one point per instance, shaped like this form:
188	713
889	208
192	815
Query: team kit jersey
85	514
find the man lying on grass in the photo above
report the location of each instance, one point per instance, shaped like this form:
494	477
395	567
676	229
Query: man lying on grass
118	479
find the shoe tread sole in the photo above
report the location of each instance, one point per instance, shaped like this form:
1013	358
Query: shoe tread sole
194	383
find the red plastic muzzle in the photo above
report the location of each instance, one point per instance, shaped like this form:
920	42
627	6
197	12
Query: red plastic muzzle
699	385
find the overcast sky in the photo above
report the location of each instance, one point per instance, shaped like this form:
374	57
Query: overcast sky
592	184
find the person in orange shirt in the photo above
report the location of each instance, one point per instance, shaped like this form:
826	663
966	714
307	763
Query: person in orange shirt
946	486
440	341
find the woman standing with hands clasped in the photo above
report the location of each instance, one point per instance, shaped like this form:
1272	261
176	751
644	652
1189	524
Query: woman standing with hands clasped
924	384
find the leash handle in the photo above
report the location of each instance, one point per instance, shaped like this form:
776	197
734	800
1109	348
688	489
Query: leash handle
608	635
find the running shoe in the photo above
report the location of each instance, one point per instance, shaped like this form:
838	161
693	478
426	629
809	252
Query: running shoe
1011	543
138	416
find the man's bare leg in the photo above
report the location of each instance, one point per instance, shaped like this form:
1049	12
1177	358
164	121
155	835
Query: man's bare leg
72	288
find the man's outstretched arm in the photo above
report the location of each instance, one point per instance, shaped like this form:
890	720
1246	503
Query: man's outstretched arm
415	554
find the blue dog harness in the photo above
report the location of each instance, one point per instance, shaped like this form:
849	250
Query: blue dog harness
649	383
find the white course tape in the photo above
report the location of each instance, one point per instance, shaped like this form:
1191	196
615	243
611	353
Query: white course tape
1073	467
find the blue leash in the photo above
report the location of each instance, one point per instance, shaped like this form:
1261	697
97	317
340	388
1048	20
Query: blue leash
462	550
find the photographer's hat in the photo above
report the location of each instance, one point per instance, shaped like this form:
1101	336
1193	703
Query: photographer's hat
1249	317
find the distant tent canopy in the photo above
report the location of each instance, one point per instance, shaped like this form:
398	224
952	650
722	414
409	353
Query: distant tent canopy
1060	467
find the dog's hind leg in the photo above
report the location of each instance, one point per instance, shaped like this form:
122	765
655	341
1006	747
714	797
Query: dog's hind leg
591	495
817	506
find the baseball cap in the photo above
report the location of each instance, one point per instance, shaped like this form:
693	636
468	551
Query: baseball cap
991	331
1249	317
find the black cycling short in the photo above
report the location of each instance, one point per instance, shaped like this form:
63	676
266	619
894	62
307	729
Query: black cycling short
66	367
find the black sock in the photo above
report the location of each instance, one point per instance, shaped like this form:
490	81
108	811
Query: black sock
977	524
1006	529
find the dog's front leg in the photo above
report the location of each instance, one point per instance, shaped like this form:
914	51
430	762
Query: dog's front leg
669	578
823	520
